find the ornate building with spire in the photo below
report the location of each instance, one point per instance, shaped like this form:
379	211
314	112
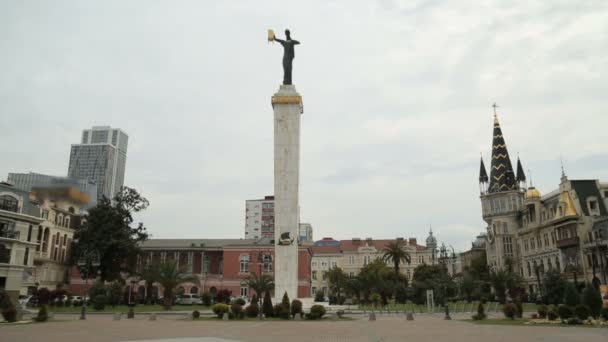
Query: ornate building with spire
565	229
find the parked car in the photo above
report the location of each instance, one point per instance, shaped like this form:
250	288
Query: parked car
189	299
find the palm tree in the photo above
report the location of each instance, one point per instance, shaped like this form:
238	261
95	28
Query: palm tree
169	276
393	252
149	275
260	284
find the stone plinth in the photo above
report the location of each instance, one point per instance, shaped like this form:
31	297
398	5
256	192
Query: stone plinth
287	105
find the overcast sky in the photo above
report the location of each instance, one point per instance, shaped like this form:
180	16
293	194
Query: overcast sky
397	103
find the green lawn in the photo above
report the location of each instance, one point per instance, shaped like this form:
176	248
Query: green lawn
458	306
523	321
125	309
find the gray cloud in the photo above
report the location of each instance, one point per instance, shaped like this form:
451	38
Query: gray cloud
397	102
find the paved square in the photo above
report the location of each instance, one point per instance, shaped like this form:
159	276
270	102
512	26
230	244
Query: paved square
101	328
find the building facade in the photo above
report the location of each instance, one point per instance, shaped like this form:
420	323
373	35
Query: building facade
19	226
354	254
28	181
101	157
305	232
259	218
533	233
220	264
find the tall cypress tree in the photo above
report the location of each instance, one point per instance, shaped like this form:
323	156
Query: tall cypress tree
267	305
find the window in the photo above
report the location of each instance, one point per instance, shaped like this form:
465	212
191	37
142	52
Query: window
45	214
367	260
557	264
334	264
5	254
314	291
538	242
26	256
351	274
529	270
324	275
508	246
553	238
9	203
244	291
314	264
244	264
505	230
314	275
267	263
323	264
532	244
29	234
351	260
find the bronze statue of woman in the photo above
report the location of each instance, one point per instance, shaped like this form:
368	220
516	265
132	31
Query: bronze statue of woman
288	55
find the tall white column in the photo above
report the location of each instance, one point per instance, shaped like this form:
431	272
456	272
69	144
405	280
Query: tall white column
287	105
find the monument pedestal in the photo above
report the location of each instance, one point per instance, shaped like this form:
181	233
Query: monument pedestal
287	106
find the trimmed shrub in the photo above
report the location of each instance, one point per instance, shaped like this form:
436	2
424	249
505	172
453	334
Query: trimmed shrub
481	313
519	308
316	312
276	310
10	314
253	310
43	314
564	312
223	296
240	301
320	296
581	312
552	315
542	311
296	308
206	298
220	309
571	297
509	310
196	314
593	300
99	302
285	311
44	296
267	305
237	310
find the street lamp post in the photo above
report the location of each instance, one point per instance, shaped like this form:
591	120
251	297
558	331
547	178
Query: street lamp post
574	266
88	261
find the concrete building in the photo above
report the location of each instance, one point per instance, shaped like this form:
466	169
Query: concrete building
101	157
19	226
535	233
478	250
259	218
27	181
305	232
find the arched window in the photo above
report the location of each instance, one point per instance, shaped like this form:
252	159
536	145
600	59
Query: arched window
194	290
244	263
66	222
529	270
9	203
45	240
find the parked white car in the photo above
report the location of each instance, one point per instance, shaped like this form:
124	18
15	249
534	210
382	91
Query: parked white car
189	299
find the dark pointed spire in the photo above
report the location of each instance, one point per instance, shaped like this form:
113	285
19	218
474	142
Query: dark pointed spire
521	176
483	176
502	177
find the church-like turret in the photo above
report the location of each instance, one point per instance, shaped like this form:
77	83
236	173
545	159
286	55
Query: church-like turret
502	177
521	176
483	177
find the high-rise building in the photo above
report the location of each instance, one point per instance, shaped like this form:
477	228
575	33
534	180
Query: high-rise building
305	232
101	156
259	218
27	181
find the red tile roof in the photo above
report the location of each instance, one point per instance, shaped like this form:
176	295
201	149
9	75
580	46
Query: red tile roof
353	245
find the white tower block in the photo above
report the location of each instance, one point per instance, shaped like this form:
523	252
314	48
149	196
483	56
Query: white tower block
287	105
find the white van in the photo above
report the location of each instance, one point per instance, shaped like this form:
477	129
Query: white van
189	299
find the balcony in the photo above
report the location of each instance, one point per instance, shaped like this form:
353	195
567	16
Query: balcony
568	242
10	233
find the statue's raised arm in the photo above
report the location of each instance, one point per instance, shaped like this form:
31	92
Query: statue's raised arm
288	54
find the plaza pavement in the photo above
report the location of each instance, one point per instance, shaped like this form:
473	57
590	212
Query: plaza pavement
102	328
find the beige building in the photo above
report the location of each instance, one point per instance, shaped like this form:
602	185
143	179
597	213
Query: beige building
19	221
354	254
60	210
560	230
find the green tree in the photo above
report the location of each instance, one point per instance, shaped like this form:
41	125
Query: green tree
468	287
592	299
285	307
115	292
555	287
503	280
375	277
337	280
571	296
149	274
108	231
259	283
395	253
169	276
432	277
267	305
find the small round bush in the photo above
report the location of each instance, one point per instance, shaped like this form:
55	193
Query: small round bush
206	298
220	309
237	310
240	301
552	315
296	308
43	314
99	302
510	310
542	311
196	314
564	312
581	312
316	312
10	314
253	310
